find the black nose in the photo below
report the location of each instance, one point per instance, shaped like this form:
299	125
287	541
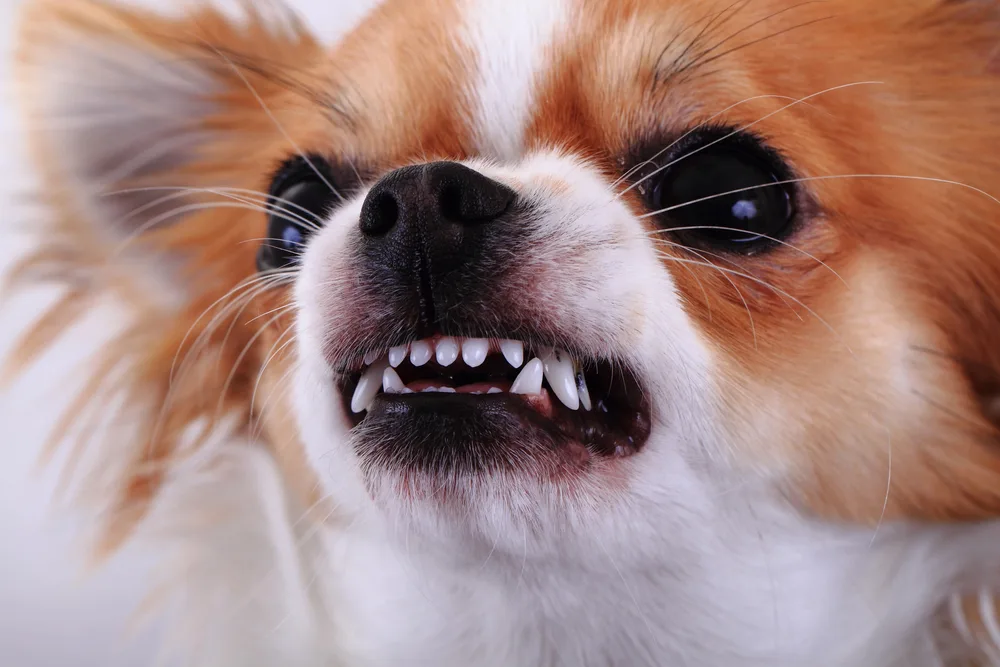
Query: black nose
431	232
439	194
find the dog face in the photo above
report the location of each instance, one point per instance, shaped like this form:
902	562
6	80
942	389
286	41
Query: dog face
552	278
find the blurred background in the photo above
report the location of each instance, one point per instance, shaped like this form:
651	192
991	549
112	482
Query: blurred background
54	612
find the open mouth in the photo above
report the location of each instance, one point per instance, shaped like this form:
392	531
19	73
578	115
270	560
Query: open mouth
468	382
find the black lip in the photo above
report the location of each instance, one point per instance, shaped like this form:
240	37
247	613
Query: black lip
456	433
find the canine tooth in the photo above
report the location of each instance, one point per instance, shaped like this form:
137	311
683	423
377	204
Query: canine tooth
420	353
581	387
371	357
513	352
391	382
397	355
494	390
447	351
367	388
474	351
562	378
529	380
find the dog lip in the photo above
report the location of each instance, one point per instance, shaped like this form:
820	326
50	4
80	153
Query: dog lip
402	400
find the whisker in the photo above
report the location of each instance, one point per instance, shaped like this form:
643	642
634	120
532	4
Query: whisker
278	125
702	253
763	236
243	285
625	176
281	386
179	192
277	348
709	20
281	308
809	179
700	60
239	361
739	292
177	212
762	39
743	129
768	286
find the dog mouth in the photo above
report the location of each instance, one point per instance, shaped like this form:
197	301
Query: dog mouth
470	390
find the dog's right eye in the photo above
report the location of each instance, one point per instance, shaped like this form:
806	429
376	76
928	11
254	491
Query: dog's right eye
302	195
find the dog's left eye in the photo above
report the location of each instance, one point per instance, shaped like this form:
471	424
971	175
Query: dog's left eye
731	194
301	195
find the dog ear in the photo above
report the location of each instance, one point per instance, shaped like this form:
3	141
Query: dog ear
136	123
124	108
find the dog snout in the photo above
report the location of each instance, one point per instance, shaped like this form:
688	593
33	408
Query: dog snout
429	229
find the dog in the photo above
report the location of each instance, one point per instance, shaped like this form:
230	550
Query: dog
535	332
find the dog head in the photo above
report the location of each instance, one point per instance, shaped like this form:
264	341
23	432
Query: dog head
548	278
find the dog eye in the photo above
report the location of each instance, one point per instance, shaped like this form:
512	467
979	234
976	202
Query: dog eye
301	195
729	194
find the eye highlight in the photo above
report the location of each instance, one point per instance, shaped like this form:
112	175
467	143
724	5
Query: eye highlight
302	194
724	192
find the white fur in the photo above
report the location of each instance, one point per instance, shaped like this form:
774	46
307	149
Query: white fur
511	41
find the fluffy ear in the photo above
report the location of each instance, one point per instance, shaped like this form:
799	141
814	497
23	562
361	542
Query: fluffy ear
122	104
135	122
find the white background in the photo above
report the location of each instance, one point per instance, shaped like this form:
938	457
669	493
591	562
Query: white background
53	613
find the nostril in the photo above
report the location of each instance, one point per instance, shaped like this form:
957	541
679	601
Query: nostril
379	214
450	203
474	199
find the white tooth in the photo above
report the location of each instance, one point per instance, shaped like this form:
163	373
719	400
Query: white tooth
562	378
391	382
407	390
494	390
581	387
396	355
474	351
367	388
420	353
371	357
447	390
529	380
447	351
428	390
513	352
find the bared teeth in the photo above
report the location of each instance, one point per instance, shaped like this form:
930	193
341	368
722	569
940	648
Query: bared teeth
421	352
553	365
391	382
368	386
513	352
474	351
529	380
397	355
560	372
447	351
